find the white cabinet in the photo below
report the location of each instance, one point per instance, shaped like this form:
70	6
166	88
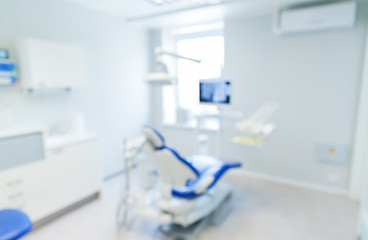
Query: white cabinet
45	65
42	182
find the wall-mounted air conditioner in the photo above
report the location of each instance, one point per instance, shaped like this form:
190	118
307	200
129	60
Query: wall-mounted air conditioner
326	16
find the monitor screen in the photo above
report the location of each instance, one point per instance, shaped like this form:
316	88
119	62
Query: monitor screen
215	91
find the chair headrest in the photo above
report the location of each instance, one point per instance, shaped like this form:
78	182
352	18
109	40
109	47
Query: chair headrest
153	136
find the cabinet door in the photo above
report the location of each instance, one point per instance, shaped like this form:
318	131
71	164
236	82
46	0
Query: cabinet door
74	172
48	64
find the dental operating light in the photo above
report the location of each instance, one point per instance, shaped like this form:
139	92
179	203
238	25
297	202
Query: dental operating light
163	77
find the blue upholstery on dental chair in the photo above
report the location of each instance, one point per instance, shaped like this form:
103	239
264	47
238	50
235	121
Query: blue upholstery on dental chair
208	170
203	167
13	224
215	171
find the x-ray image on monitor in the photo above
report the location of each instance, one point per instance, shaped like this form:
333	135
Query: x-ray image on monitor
216	91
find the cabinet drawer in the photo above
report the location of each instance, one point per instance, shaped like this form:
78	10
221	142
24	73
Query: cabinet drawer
36	206
11	182
16	199
30	171
30	178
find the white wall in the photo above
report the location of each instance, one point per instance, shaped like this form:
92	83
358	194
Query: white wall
114	99
316	75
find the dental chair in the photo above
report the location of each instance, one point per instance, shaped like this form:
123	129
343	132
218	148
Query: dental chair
189	189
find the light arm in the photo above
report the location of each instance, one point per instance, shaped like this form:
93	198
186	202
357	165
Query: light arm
159	52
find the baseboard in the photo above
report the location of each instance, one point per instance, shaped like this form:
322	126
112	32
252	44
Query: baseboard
275	179
292	182
65	210
113	175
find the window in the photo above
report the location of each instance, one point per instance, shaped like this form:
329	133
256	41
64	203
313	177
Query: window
209	48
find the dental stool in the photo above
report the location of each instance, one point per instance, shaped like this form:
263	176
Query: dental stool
13	224
189	189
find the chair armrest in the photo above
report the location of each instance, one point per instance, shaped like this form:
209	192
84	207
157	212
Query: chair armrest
203	184
207	179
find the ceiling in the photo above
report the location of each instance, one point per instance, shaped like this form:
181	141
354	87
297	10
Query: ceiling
184	12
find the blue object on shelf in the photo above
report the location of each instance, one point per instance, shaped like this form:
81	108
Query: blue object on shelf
7	66
13	224
8	73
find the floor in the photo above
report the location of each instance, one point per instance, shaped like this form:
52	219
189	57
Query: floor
260	211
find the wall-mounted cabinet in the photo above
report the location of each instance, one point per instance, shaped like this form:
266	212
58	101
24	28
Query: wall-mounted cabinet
50	65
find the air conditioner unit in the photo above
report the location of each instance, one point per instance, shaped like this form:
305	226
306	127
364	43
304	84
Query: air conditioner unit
327	16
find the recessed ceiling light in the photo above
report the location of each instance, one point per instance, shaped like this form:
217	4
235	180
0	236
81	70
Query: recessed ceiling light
213	2
161	2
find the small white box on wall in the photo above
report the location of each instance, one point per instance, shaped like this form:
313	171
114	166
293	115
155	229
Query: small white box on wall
332	153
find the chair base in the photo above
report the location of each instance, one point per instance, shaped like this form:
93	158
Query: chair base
193	231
